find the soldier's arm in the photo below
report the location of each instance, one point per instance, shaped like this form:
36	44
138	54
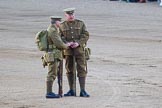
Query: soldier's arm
84	36
57	39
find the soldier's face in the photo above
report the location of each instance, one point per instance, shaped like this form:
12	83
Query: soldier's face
70	17
58	23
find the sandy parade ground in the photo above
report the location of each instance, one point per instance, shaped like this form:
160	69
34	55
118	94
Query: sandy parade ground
125	69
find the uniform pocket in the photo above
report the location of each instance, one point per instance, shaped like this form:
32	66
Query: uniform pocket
77	31
87	53
44	62
49	57
66	32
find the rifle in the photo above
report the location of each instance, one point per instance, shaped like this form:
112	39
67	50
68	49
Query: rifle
60	78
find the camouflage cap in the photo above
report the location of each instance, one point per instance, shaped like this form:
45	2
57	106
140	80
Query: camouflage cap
69	10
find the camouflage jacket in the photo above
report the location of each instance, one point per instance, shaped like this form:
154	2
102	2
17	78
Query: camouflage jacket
74	31
55	42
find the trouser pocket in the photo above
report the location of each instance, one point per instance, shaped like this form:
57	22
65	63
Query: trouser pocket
49	57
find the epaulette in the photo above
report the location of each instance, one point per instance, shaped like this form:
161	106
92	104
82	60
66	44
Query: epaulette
78	20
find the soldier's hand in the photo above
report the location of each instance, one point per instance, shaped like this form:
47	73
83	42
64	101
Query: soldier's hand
69	44
74	45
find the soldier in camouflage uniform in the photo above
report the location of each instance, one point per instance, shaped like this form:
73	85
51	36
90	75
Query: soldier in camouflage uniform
54	54
73	32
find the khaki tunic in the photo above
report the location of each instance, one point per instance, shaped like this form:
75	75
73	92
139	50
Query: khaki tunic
54	55
75	31
56	45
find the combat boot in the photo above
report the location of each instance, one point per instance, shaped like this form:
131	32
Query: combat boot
83	93
50	94
70	93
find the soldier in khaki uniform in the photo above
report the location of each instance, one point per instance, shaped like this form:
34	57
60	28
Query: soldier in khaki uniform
54	54
73	32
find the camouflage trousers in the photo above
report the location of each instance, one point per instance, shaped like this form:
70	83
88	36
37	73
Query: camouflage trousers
80	65
52	70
